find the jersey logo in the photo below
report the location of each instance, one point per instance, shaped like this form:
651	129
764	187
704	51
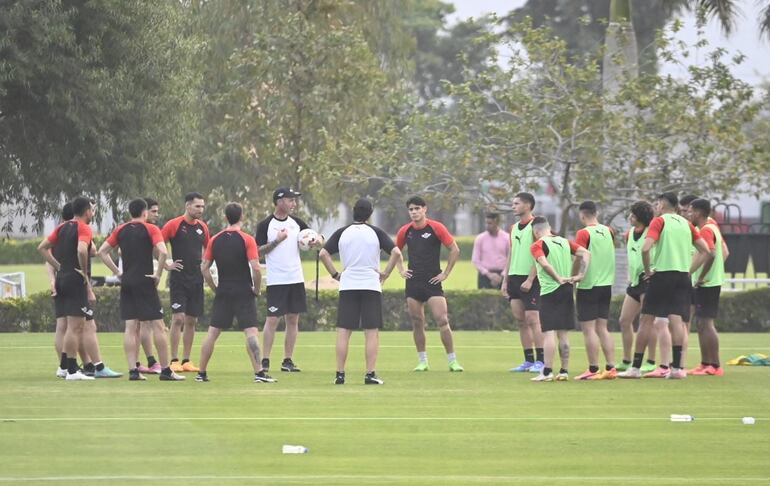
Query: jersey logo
199	231
425	235
600	232
518	238
557	243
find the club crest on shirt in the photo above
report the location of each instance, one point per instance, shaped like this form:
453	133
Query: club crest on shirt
425	235
199	231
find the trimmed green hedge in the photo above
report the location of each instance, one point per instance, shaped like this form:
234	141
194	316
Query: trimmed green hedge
747	311
20	252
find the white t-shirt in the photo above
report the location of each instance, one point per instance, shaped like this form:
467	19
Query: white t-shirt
359	246
284	266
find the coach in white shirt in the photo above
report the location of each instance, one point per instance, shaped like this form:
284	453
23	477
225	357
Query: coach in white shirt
360	300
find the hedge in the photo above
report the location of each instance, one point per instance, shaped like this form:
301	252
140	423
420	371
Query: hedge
747	311
20	252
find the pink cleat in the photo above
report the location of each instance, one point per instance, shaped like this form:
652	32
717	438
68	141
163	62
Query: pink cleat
658	373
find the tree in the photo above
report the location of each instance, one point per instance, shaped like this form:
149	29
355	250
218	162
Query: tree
94	98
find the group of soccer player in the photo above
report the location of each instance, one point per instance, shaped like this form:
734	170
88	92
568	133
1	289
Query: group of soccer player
676	259
543	269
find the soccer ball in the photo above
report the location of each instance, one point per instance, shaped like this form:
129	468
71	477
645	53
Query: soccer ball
308	237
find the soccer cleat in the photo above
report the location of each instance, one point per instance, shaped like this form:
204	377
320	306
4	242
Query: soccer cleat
265	364
263	377
622	366
89	373
586	375
339	378
647	367
676	374
144	369
61	372
171	377
631	373
541	378
714	371
455	366
176	366
189	367
658	373
155	369
373	379
562	377
537	367
134	375
605	375
698	370
202	376
523	367
289	366
78	376
106	372
421	366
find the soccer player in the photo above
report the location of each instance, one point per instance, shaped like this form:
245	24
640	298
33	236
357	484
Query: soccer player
522	287
239	281
145	332
708	284
640	217
139	301
188	236
424	238
490	252
553	255
360	297
594	293
276	236
71	241
668	270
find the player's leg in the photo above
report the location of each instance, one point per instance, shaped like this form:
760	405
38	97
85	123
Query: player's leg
592	349
188	336
440	312
207	348
130	347
177	324
268	338
417	317
525	335
628	313
289	342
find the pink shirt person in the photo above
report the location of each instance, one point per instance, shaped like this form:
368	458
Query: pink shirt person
490	253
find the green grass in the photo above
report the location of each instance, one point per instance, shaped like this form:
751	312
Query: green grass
463	276
482	426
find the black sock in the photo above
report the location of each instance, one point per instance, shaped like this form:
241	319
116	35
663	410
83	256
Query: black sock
608	367
100	367
63	363
286	360
175	360
593	369
138	364
89	367
563	371
547	371
664	367
651	361
539	354
529	355
72	365
627	362
371	374
166	371
638	357
704	364
151	361
677	356
715	365
185	361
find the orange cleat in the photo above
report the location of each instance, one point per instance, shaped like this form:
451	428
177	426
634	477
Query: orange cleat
605	375
189	367
586	375
715	371
698	370
176	367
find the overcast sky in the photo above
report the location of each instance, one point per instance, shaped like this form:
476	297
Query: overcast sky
745	39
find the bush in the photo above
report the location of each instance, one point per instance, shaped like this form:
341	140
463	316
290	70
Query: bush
747	311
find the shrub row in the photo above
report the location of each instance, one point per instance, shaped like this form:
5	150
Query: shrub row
747	311
20	252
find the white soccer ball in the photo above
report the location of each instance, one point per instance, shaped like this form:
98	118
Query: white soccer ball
307	237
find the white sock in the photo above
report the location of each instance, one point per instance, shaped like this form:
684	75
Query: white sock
422	356
451	357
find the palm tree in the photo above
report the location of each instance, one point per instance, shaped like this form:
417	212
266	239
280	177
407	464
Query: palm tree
727	12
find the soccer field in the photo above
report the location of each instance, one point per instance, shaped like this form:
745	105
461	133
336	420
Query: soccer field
483	426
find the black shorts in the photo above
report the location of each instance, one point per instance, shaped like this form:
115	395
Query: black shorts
71	299
594	303
557	310
668	293
286	299
483	281
707	301
186	297
359	309
421	290
530	299
232	304
637	291
140	301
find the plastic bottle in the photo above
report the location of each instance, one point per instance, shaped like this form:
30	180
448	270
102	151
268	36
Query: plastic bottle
295	449
682	418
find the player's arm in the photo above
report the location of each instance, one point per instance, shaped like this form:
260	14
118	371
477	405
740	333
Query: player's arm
105	254
396	259
704	257
583	257
206	272
454	255
160	250
44	248
646	260
326	259
547	268
256	276
83	257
